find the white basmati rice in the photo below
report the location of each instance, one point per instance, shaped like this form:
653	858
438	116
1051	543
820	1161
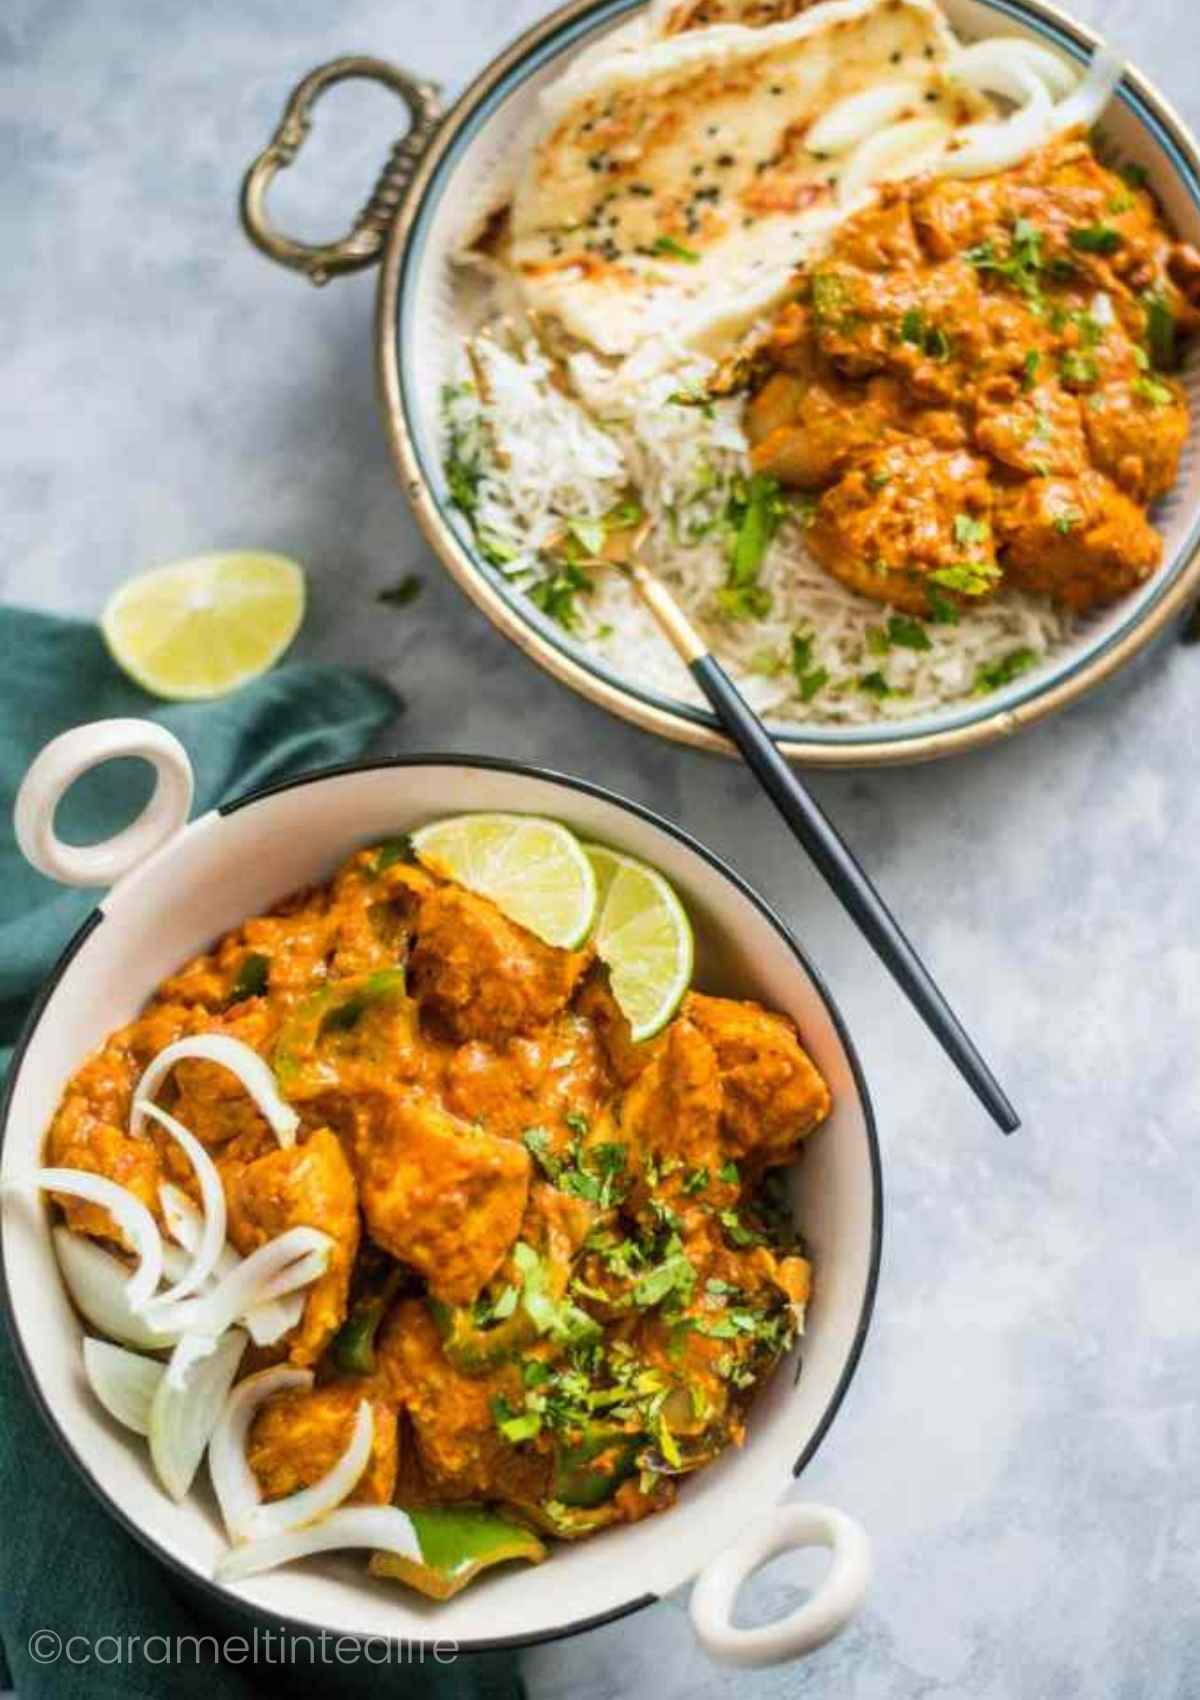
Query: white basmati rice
545	447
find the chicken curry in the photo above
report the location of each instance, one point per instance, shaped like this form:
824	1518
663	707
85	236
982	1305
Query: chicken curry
562	1262
975	385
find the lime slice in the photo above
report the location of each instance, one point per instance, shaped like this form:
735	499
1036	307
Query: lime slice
644	936
533	870
202	627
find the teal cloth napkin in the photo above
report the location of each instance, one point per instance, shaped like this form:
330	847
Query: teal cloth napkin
66	1569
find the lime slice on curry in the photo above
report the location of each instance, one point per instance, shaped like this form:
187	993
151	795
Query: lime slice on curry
644	935
456	1543
532	869
202	627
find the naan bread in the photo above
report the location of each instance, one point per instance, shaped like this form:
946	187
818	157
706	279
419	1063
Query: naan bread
669	191
672	17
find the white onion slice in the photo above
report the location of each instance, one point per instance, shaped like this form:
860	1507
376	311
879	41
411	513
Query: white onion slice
995	145
993	67
288	1262
128	1212
124	1382
186	1406
239	1059
898	150
310	1504
1101	308
234	1482
98	1284
850	121
1059	75
267	1323
212	1235
383	1528
1092	94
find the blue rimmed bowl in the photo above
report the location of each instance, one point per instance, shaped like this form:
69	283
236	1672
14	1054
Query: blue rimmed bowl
413	222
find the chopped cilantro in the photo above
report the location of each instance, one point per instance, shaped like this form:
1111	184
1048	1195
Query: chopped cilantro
1029	369
1002	672
1095	239
1152	391
1078	369
930	339
969	578
696	1180
754	513
877	641
730	1173
906	633
674	1276
942	611
877	686
1160	331
968	530
555	595
667	248
1134	174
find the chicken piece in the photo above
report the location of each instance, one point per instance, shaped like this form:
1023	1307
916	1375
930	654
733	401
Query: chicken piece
951	215
1137	427
804	431
924	326
302	1186
608	1021
462	1453
482	976
535	1081
298	1436
1080	540
441	1195
883	236
209	1099
372	910
1037	432
772	1094
908	524
673	1108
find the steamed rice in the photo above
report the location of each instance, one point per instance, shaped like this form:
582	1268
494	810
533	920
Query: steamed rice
543	456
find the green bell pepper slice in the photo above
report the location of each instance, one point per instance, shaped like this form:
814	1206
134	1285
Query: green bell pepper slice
457	1543
337	1009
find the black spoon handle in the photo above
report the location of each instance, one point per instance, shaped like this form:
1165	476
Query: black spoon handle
836	861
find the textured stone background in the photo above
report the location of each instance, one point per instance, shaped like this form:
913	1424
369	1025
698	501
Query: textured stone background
1022	1438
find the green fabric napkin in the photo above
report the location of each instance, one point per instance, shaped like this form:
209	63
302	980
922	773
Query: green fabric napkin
66	1569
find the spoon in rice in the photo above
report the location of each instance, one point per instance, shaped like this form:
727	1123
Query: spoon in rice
801	812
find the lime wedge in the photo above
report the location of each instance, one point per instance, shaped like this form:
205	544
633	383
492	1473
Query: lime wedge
534	870
202	627
644	936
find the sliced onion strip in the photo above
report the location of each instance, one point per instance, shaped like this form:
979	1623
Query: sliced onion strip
898	150
187	1404
290	1261
1093	93
384	1528
124	1382
98	1284
128	1212
234	1482
996	144
850	121
267	1323
239	1059
321	1497
212	1234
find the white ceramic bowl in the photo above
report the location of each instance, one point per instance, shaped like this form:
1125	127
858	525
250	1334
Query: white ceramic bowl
438	177
177	888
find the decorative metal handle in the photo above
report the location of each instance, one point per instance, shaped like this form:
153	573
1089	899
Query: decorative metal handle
362	246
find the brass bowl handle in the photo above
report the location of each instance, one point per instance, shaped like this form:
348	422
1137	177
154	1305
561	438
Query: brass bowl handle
363	244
